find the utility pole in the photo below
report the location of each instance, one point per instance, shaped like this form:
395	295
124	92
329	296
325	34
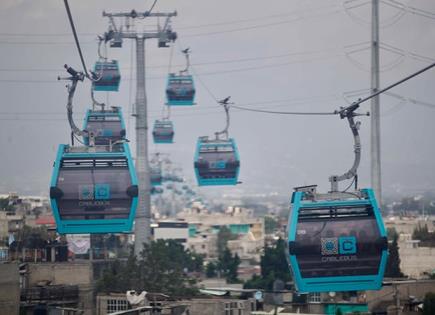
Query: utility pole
396	299
375	113
115	35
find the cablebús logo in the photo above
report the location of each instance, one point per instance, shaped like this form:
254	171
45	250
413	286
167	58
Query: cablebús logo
329	246
338	249
93	195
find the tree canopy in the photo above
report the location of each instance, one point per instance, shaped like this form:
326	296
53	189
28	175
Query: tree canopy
429	304
224	235
228	265
163	267
273	266
421	232
393	263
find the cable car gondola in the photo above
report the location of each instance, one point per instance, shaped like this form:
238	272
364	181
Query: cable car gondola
180	88
94	189
156	190
217	160
163	131
337	241
106	76
336	244
107	126
156	176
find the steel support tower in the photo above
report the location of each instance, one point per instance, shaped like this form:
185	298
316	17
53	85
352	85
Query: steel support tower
115	35
375	149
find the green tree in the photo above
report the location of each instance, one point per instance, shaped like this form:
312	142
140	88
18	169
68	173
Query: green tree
211	270
422	233
163	266
392	233
393	264
164	269
228	266
4	205
429	304
273	266
224	235
270	224
30	237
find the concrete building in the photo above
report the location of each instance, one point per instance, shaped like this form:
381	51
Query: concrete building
110	303
152	304
407	225
68	275
407	292
175	230
204	227
9	289
221	306
10	223
415	261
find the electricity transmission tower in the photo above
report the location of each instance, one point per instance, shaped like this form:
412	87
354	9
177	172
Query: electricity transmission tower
164	35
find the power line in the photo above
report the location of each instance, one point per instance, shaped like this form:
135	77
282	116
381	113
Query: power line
403	54
303	53
8	42
385	23
260	25
410	9
230	22
255	18
257	26
355	104
202	74
411	100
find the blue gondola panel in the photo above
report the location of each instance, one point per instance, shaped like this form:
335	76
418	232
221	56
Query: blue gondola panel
336	245
180	90
107	126
94	192
107	76
156	176
216	162
163	131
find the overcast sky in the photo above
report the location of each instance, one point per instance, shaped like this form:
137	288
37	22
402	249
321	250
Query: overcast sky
279	55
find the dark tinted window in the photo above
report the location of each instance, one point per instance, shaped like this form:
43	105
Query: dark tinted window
105	131
175	84
107	73
94	193
343	246
215	157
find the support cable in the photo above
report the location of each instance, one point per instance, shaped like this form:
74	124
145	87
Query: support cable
285	113
152	6
76	39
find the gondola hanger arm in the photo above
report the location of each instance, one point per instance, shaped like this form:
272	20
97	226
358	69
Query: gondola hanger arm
349	113
75	77
226	104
